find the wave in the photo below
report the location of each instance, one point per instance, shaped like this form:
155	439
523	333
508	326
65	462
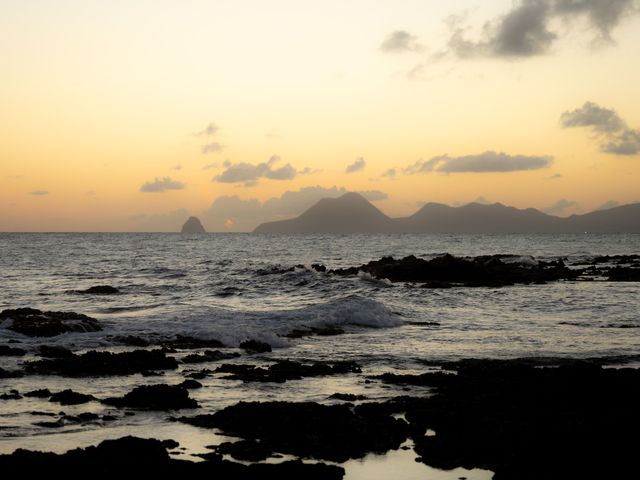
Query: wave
232	327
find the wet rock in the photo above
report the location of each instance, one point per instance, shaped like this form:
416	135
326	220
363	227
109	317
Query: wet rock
95	363
100	290
155	397
9	374
326	331
49	351
189	343
190	384
69	397
170	444
41	393
12	395
525	421
131	341
318	267
489	270
36	323
209	356
6	351
308	430
624	274
200	374
284	370
347	397
146	457
244	450
254	346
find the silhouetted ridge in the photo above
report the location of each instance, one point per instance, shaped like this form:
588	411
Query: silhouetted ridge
352	213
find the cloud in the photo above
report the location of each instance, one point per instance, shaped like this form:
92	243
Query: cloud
612	132
233	213
527	29
210	130
39	193
177	167
162	185
554	176
400	41
485	162
562	207
356	166
373	195
249	174
209	166
213	147
607	205
391	173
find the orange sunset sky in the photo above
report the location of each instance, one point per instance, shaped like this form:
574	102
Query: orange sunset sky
132	115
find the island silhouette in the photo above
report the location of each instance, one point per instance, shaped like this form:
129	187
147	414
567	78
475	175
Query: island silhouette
352	213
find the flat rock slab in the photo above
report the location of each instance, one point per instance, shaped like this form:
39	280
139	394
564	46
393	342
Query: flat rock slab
308	430
95	363
145	457
36	323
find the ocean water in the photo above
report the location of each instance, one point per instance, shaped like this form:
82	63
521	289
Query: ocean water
232	287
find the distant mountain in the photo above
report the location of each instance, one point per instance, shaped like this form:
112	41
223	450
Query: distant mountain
352	213
193	225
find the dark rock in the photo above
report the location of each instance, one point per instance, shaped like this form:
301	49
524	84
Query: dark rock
189	343
318	267
524	420
327	331
347	397
41	393
190	384
170	444
142	457
254	346
244	450
155	397
624	274
131	340
6	351
12	395
441	272
35	323
100	290
69	397
284	370
209	356
95	363
308	430
193	225
49	351
9	374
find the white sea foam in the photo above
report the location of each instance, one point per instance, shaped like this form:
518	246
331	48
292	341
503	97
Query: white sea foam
229	326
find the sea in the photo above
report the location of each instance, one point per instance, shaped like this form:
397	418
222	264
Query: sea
235	287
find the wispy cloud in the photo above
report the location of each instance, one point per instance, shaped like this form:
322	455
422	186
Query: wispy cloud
400	41
356	166
213	147
611	131
391	173
161	185
209	130
39	193
484	162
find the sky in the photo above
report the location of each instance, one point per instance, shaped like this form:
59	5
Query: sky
132	115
